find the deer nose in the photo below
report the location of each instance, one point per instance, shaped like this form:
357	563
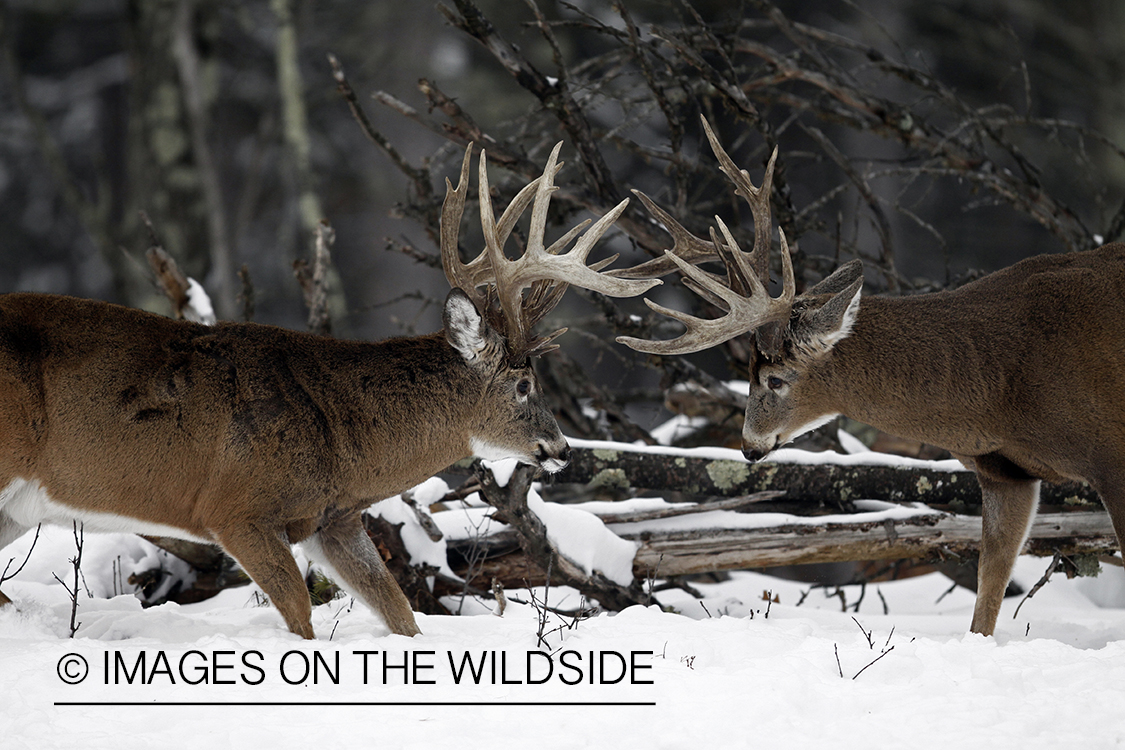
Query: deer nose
552	460
753	454
755	448
756	452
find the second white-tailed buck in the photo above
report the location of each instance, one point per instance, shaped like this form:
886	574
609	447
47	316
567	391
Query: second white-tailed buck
254	437
1021	374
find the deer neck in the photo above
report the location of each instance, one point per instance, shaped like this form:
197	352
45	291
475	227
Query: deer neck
413	405
899	371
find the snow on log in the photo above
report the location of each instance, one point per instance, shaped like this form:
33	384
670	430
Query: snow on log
828	479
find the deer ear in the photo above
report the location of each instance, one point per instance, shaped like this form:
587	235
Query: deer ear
465	328
840	279
821	329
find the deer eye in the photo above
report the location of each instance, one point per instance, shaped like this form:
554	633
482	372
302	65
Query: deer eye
773	382
523	387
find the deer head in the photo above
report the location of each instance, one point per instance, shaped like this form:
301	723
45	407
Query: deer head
490	321
791	332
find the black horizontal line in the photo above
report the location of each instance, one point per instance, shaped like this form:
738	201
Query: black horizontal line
355	703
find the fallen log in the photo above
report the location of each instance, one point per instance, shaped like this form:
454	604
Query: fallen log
927	536
833	481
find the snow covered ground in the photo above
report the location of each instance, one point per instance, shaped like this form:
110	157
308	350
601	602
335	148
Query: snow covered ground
729	671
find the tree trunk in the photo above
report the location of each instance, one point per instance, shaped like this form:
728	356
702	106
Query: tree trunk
164	178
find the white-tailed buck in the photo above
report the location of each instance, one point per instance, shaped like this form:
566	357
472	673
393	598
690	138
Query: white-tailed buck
254	437
1021	374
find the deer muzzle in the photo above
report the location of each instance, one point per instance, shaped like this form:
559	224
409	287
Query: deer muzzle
551	458
756	451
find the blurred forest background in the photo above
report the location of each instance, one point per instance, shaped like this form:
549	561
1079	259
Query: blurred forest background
937	140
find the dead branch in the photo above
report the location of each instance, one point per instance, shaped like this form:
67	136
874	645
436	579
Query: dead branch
510	502
314	280
246	296
214	572
935	536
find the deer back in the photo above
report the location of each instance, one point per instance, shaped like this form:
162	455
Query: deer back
120	413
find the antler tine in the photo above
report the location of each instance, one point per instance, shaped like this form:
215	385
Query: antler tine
744	313
788	282
744	295
464	276
758	198
697	250
477	272
515	210
509	294
545	294
540	264
550	263
684	244
740	270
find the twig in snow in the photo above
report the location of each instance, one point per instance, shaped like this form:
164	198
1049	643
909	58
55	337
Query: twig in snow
866	634
1042	582
72	591
948	591
877	658
4	576
543	612
770	598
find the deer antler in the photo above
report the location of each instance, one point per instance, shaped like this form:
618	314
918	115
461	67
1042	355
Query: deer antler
745	312
743	294
547	271
696	250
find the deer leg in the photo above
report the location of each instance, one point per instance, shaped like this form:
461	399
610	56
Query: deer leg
263	552
352	560
1008	508
1111	490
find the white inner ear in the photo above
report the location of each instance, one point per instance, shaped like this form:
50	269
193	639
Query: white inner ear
846	323
465	330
